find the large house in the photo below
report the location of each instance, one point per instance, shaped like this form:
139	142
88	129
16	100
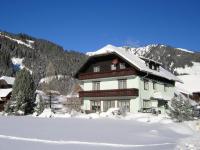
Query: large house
115	77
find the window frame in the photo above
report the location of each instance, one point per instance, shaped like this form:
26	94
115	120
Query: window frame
124	103
113	67
122	66
146	84
165	87
96	85
95	105
96	69
155	85
122	83
147	103
107	104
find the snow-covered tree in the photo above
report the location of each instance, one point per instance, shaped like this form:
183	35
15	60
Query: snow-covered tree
181	109
23	94
40	105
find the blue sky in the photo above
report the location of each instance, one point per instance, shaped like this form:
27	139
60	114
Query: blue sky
87	25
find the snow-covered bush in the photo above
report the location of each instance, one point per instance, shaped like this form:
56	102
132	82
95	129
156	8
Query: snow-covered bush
113	112
181	109
47	113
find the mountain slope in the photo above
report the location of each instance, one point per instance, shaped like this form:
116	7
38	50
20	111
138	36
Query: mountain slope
21	50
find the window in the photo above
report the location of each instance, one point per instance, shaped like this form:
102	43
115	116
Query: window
165	87
96	85
153	67
108	104
96	69
122	66
154	85
147	104
124	105
146	84
113	67
122	84
96	105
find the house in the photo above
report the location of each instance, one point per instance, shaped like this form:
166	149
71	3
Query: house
6	84
114	77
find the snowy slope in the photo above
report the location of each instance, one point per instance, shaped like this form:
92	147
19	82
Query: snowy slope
191	83
140	51
19	62
29	43
185	50
192	70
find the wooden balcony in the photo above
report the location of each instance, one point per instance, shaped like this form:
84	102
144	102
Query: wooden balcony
113	73
109	93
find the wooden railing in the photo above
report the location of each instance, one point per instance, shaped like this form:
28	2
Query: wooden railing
113	73
109	93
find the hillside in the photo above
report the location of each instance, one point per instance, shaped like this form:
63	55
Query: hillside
21	50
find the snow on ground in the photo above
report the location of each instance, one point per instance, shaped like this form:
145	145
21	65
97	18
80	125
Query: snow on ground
28	44
97	131
192	70
87	134
190	83
19	62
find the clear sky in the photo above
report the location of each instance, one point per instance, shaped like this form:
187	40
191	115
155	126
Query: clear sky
87	25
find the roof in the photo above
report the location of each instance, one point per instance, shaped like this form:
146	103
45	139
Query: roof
150	60
9	80
5	92
135	61
190	84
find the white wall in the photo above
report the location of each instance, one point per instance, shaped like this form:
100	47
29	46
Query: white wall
105	84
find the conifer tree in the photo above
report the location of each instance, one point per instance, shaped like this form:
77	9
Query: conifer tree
23	94
181	109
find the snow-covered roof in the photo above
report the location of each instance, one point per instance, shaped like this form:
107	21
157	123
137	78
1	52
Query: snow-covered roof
5	92
160	96
190	84
135	61
9	80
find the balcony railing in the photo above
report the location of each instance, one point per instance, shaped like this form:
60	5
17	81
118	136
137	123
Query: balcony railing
109	93
113	73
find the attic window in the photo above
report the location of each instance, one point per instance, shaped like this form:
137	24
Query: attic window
113	67
96	69
122	66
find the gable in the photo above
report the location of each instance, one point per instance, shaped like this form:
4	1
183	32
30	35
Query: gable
104	62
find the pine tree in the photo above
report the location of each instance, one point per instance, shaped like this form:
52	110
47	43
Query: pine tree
23	94
181	109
